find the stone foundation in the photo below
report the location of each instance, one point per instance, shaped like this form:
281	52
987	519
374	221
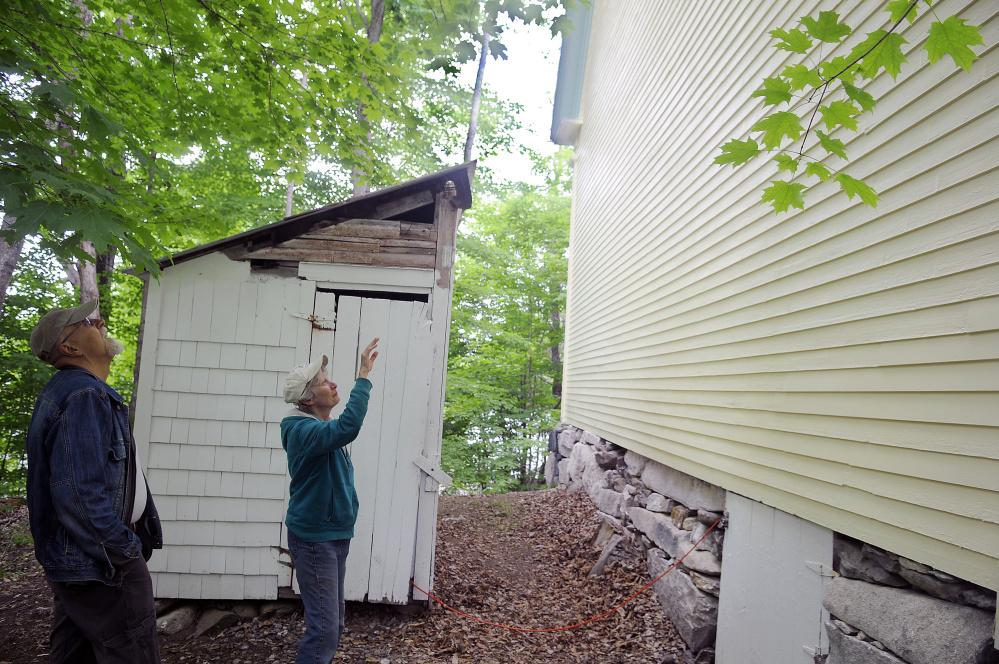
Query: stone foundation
887	608
662	511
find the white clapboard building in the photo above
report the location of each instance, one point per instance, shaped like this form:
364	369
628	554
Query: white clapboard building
224	324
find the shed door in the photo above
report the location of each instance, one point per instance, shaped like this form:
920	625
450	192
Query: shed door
381	558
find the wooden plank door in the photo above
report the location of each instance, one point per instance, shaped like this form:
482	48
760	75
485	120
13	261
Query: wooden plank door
388	482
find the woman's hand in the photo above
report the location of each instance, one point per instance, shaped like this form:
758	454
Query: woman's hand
368	356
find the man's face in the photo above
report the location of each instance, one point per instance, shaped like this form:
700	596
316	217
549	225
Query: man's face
326	394
91	336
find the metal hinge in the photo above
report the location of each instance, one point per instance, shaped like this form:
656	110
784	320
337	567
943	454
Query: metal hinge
822	570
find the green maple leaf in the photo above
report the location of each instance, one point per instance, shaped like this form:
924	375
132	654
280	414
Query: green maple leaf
831	145
837	68
827	28
865	99
795	40
786	162
775	91
953	38
886	54
777	126
900	8
801	77
854	187
783	195
839	113
738	152
818	170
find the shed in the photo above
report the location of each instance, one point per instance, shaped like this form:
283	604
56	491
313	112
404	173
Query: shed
223	325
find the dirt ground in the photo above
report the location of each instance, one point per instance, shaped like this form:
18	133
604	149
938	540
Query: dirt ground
513	559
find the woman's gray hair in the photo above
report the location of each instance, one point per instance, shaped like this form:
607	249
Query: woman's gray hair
309	394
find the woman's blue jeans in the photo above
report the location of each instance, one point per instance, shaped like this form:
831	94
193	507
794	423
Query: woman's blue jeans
320	568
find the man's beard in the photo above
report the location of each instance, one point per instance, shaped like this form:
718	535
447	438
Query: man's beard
113	347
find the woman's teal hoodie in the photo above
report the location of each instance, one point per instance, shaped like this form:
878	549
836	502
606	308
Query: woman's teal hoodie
323	502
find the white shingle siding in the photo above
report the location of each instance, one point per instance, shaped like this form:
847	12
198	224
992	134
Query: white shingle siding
838	363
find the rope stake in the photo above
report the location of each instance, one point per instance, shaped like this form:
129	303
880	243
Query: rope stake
580	624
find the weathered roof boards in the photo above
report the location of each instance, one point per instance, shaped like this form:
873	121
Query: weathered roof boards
220	329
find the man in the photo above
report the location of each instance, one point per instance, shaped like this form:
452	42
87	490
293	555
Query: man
92	515
322	505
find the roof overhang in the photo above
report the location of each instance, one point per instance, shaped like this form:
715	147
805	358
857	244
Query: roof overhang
369	206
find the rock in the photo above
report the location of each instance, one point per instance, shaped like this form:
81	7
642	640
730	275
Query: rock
690	523
608	460
918	628
578	461
884	559
713	542
678	514
279	609
849	630
604	532
704	562
692	492
598	567
615	522
914	566
709	584
594	479
616	481
213	621
246	610
706	656
566	441
845	649
550	465
165	605
611	502
592	439
635	463
708	518
660	529
177	620
657	502
692	612
563	471
853	564
957	591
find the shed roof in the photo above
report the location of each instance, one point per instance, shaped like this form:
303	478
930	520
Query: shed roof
360	207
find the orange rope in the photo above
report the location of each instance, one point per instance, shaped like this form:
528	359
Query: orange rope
595	618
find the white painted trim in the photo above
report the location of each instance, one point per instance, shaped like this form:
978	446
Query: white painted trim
368	277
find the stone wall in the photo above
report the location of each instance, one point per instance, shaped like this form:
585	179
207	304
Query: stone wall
885	609
662	511
888	609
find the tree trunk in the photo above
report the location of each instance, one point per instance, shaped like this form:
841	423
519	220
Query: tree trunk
88	274
362	183
105	269
473	121
8	259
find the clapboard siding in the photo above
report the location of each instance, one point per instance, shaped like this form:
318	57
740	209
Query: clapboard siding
222	342
838	363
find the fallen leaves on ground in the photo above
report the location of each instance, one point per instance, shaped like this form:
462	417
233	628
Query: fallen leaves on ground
514	559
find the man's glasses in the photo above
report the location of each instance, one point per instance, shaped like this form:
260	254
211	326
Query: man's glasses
86	322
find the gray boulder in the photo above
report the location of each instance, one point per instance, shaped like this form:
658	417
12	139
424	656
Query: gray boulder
692	492
611	502
855	564
657	502
660	529
694	613
918	628
566	441
847	649
177	620
956	591
580	458
213	621
635	463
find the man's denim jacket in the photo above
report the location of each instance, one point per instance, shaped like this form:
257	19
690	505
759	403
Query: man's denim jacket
81	479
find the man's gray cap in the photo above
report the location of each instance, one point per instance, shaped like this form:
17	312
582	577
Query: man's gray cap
47	331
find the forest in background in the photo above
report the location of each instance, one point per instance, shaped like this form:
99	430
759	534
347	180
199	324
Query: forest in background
129	134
